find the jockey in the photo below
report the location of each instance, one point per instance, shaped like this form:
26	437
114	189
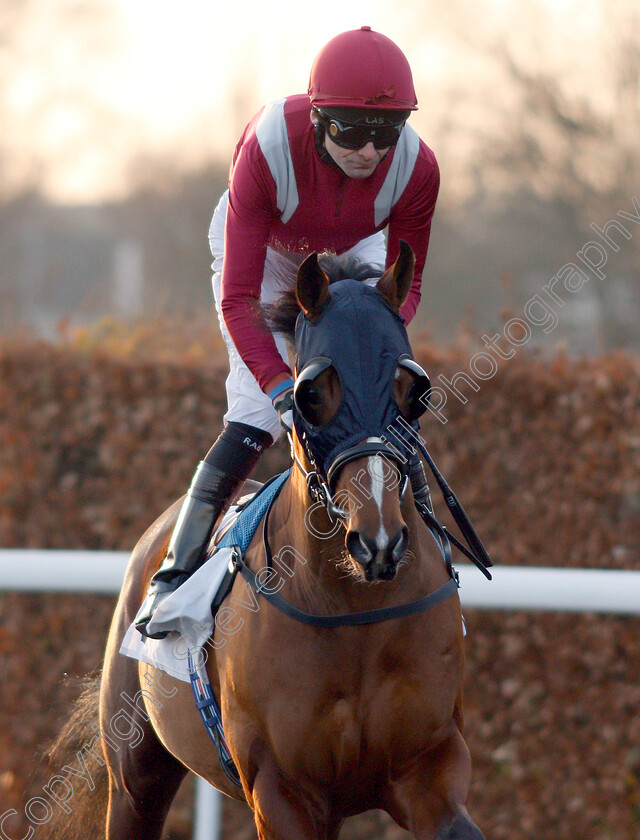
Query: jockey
329	170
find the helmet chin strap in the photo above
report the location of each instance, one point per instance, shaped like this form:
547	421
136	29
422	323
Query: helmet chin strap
321	149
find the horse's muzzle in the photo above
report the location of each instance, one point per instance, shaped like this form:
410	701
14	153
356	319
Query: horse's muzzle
379	559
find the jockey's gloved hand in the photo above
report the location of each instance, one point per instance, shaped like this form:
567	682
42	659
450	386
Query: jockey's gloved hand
282	399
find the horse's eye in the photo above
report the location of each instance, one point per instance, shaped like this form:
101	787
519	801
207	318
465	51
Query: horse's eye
317	392
412	388
312	396
309	402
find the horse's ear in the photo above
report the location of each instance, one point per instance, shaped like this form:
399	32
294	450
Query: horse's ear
395	283
312	286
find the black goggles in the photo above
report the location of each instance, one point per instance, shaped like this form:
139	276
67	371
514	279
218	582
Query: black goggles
356	136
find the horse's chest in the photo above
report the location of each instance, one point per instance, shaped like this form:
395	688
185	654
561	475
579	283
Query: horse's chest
371	730
345	711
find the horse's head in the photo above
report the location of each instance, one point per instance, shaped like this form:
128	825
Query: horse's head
358	391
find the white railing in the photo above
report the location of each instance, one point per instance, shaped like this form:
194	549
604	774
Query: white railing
512	588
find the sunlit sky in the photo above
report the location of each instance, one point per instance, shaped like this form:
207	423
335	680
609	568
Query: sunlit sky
90	85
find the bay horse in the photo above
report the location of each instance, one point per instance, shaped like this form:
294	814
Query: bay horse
322	723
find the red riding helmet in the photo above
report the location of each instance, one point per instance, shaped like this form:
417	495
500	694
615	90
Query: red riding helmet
362	69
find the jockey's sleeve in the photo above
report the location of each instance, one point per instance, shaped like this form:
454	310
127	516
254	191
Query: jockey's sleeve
411	220
250	216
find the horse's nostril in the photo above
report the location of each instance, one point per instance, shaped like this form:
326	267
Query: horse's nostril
380	562
360	548
398	545
352	542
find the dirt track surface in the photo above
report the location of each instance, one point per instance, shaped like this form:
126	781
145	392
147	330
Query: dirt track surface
545	456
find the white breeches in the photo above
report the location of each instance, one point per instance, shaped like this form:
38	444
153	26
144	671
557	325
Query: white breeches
246	401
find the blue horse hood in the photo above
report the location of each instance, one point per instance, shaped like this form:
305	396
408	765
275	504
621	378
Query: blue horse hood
364	338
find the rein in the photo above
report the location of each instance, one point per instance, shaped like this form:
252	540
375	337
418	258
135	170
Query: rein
476	551
343	619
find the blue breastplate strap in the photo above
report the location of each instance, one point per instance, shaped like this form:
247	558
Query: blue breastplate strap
210	714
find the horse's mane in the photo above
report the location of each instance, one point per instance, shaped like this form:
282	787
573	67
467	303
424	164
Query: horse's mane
281	315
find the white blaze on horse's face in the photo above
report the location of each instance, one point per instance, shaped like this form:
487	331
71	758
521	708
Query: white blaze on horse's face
377	536
374	468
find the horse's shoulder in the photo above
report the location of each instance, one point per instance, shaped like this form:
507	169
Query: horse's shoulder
150	548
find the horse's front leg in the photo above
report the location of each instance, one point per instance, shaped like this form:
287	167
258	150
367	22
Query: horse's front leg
429	799
143	776
284	811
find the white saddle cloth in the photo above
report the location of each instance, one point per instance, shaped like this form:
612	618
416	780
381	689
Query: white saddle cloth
186	614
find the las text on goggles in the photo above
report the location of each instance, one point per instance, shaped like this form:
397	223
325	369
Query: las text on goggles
356	136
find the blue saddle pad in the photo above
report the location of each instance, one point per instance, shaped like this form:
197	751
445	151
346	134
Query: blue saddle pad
242	531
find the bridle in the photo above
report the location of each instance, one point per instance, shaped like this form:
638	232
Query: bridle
319	485
319	489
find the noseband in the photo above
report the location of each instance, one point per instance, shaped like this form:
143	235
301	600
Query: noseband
319	486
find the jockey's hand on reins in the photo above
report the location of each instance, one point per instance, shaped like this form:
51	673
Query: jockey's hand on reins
283	404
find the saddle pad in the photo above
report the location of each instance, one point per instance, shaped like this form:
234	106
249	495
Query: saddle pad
186	613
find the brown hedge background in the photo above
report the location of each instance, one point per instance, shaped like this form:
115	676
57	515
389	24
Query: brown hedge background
101	431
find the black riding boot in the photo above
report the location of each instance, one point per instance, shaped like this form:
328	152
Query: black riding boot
227	464
419	486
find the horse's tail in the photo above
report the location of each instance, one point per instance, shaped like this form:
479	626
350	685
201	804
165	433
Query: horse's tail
79	777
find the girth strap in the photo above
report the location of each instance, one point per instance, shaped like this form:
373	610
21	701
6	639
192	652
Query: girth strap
210	714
